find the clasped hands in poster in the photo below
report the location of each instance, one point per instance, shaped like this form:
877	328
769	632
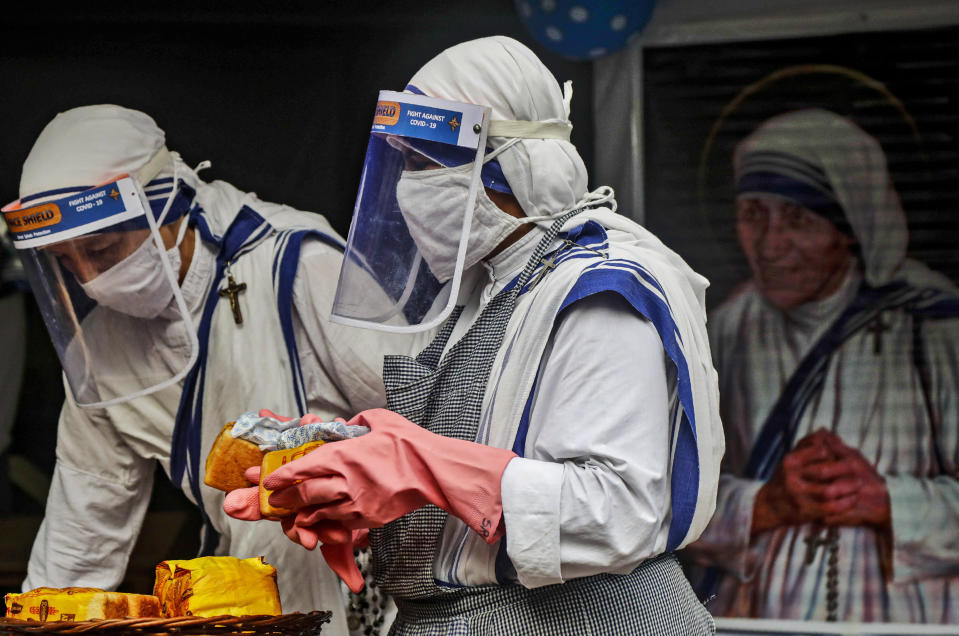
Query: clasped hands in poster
822	480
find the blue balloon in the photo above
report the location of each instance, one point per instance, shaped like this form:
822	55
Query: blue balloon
584	29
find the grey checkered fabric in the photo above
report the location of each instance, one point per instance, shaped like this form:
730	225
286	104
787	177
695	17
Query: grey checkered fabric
654	599
445	397
444	394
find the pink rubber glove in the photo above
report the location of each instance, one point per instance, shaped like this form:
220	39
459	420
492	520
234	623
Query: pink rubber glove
244	503
336	544
310	524
337	540
269	413
395	469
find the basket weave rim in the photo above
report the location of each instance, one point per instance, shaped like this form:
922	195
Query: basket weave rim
224	624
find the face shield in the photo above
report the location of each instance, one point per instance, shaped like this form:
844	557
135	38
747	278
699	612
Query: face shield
107	285
406	249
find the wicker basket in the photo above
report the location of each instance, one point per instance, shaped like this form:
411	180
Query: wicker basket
285	624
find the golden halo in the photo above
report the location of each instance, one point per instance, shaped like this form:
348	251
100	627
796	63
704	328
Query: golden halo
784	73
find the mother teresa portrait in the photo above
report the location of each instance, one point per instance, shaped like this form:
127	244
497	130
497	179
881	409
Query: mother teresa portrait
839	376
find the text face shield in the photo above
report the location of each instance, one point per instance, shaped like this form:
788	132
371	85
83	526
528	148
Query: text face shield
405	252
105	286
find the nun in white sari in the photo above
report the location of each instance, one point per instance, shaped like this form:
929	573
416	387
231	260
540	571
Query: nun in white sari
839	384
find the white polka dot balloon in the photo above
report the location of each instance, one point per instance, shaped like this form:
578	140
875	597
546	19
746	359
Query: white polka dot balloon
584	29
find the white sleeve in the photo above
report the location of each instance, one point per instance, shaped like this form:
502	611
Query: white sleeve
95	508
342	365
89	531
592	494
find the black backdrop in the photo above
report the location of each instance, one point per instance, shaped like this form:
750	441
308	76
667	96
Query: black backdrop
280	99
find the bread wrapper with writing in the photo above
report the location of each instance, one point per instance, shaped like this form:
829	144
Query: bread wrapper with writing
203	587
48	604
214	586
272	461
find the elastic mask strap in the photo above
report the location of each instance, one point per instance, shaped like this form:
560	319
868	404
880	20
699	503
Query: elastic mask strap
438	172
600	196
498	151
169	202
466	167
184	224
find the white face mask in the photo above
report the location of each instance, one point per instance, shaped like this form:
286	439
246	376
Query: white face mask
432	204
138	286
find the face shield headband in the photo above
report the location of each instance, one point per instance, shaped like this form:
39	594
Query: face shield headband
86	210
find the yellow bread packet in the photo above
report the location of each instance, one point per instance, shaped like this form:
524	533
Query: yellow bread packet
214	586
45	604
272	461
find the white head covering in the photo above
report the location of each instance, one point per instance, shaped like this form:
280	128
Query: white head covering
546	176
855	167
90	145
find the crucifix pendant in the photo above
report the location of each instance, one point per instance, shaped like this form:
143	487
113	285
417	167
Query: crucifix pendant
232	290
813	541
548	264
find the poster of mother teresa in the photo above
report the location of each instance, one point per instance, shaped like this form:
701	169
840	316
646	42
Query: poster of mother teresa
825	212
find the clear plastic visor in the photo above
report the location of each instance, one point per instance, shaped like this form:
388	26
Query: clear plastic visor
406	247
98	266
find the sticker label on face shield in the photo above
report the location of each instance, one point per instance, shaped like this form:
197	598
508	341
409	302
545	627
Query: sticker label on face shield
32	219
73	215
387	114
428	118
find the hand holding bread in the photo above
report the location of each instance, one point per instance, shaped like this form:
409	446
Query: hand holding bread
251	503
267	441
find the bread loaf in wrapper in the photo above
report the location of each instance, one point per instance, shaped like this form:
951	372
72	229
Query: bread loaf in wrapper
272	461
228	460
216	586
48	604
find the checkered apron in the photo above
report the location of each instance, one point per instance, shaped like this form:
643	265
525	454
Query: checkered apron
444	394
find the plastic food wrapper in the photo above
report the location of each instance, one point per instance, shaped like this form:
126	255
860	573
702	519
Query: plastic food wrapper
214	586
262	431
271	434
243	444
319	432
45	604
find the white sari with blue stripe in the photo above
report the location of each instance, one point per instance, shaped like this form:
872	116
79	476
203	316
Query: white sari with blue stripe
602	252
